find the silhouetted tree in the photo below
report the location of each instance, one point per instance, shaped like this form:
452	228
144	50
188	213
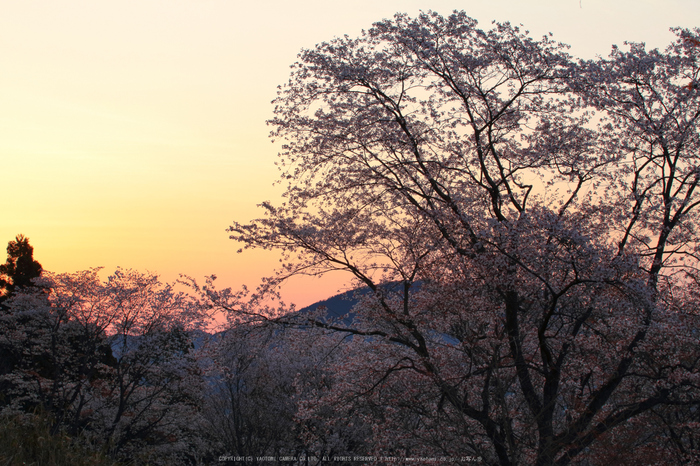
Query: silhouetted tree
20	268
18	272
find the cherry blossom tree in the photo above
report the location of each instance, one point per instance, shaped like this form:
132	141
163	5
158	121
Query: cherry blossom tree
526	223
249	407
262	375
112	362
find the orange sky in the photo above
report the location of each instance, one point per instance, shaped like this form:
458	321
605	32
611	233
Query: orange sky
132	133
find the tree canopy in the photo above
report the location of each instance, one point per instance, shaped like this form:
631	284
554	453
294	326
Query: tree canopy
539	214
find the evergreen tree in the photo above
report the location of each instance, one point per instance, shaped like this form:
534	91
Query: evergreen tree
20	268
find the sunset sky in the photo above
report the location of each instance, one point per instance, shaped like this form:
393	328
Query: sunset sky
132	132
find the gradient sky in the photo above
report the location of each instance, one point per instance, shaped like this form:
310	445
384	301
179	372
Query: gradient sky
132	133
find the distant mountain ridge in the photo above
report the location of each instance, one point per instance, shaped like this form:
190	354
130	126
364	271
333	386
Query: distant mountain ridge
339	307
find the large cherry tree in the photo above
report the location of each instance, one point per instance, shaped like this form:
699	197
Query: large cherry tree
527	224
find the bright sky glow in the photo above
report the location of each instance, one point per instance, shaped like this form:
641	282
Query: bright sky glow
132	132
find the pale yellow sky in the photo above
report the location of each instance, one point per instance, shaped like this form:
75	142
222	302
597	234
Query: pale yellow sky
132	133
